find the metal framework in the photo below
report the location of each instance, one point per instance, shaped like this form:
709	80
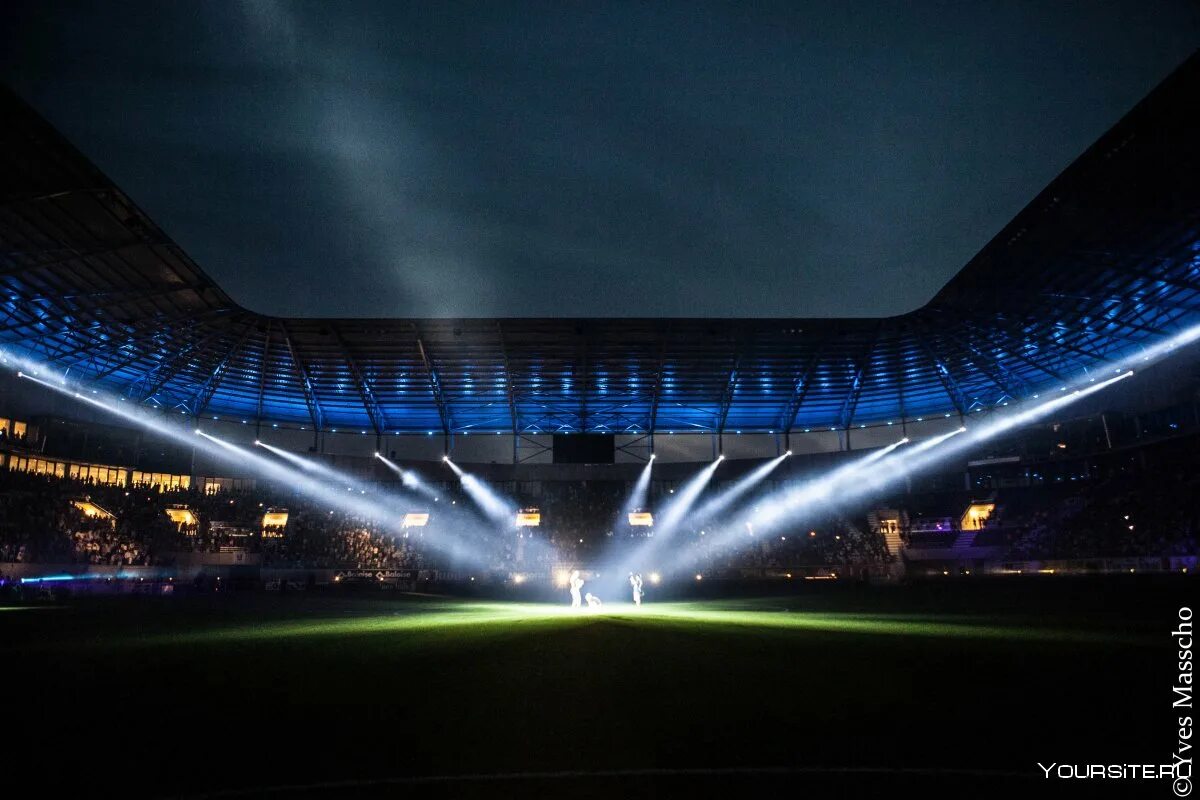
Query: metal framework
1104	261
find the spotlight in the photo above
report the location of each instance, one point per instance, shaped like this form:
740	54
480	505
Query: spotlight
257	443
445	458
854	479
410	479
275	472
376	454
784	503
637	497
716	506
655	577
675	512
721	457
788	453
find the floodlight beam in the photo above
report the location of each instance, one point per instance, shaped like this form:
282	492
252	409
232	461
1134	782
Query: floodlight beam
304	484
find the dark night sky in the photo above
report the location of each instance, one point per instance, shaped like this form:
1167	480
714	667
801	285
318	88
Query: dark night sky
383	159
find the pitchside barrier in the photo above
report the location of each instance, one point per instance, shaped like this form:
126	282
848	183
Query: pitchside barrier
1068	566
245	576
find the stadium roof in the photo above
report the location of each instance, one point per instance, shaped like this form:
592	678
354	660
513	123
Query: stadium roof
1104	261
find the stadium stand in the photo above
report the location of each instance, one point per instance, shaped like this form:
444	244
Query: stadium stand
1099	266
1122	509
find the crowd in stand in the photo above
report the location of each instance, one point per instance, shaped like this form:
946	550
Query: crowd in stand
40	522
1118	517
1126	513
35	525
582	517
825	538
316	539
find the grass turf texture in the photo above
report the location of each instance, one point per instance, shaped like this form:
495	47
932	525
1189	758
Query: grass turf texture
177	696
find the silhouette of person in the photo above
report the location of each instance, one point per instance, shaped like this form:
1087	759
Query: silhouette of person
635	580
576	586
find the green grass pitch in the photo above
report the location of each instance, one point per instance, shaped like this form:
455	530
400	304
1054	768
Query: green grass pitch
365	697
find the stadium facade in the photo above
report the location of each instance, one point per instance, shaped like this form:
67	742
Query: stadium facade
1105	261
